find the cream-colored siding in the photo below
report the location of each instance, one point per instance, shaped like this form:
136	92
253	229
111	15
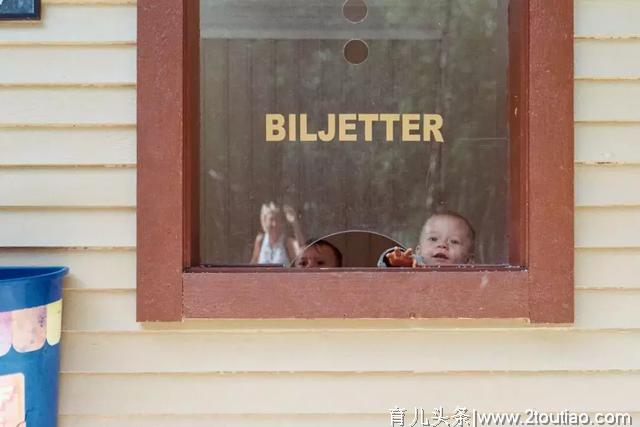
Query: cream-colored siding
67	196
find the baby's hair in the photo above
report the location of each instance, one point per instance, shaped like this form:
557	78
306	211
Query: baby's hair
452	214
311	243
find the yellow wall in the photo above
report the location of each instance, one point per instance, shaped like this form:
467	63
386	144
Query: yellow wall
67	196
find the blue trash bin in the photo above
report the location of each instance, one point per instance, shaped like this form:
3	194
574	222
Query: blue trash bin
30	326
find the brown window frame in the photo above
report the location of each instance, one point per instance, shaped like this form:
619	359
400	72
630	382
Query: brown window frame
170	286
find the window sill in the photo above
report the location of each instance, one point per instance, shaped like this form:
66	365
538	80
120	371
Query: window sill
357	294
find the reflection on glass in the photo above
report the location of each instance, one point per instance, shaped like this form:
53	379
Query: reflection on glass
274	245
352	248
426	59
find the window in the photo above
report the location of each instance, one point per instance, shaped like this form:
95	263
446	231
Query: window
498	92
418	124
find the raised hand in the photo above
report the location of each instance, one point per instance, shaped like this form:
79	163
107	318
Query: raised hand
400	258
290	214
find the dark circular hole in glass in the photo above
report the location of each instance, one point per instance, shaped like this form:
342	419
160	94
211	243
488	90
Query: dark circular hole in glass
355	10
356	51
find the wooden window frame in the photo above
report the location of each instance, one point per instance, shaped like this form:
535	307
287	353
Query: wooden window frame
539	287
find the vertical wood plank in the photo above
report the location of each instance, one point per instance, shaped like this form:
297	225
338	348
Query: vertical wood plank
331	206
381	168
518	75
287	102
214	152
241	219
264	176
311	191
356	79
192	133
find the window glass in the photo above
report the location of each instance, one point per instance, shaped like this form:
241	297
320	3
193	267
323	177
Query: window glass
325	116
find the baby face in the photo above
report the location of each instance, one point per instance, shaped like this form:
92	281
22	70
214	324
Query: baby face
317	256
446	240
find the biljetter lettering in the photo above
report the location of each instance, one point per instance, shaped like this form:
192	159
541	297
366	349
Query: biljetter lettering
346	127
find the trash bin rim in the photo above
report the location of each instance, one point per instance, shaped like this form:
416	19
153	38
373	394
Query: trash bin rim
38	272
26	287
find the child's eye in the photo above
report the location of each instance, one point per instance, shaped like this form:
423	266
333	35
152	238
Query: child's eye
455	242
433	239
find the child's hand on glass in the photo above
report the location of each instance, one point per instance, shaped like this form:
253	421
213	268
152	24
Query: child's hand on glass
401	258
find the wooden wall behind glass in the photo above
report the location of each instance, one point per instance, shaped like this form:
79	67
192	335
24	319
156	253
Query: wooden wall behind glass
447	57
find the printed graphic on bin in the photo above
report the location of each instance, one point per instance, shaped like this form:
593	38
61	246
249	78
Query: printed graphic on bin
30	326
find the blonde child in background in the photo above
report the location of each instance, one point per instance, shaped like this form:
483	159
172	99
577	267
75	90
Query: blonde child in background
273	245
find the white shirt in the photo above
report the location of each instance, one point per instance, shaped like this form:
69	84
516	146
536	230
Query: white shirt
273	255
